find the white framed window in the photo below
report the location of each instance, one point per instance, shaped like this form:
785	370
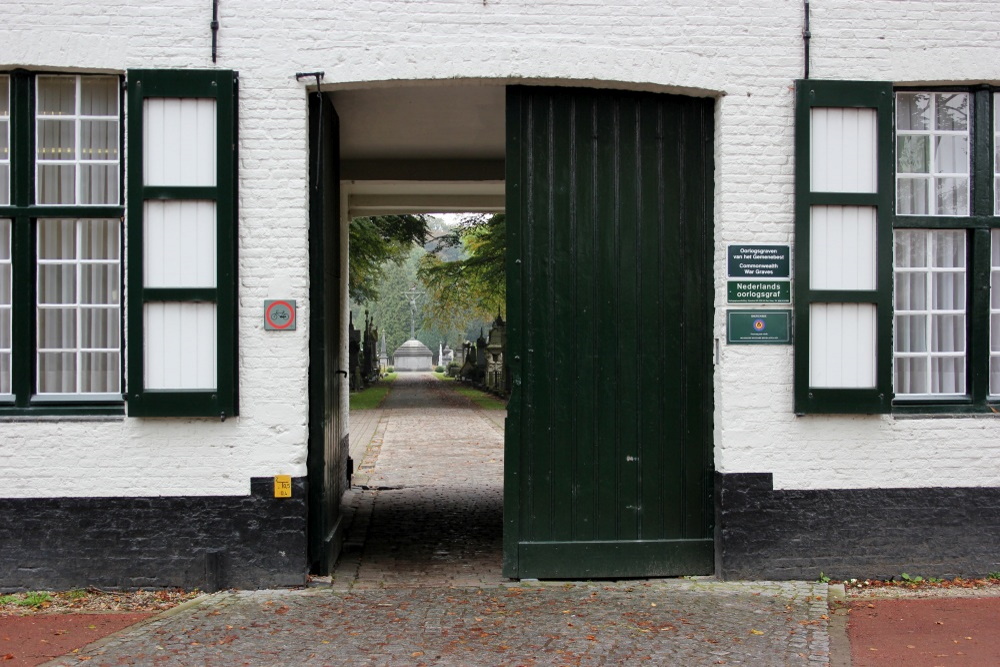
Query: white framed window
932	153
77	137
78	307
930	313
61	244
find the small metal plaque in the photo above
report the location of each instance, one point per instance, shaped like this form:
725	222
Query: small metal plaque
761	327
282	486
279	315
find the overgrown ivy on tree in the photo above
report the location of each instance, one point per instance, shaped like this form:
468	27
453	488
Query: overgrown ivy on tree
473	288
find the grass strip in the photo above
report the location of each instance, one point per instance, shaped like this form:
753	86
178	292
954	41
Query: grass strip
481	398
373	396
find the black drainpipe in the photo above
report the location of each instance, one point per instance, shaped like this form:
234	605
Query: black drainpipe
215	27
806	35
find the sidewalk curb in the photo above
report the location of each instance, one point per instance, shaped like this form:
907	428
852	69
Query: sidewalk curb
840	643
173	611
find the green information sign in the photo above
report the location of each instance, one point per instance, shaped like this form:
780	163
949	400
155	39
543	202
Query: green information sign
758	261
760	291
767	327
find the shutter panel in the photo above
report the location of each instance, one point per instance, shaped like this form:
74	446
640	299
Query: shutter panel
182	243
843	247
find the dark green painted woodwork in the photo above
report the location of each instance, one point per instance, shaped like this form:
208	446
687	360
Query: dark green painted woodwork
24	214
327	458
223	401
839	94
609	431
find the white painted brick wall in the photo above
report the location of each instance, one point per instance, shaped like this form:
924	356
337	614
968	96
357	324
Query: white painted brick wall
747	53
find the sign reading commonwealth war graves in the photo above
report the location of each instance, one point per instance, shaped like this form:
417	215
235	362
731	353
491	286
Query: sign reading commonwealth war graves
759	327
758	261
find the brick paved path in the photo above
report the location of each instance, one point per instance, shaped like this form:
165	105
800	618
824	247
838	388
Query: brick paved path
420	582
434	514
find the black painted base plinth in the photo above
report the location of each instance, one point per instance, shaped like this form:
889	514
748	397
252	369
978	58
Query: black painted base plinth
212	542
765	533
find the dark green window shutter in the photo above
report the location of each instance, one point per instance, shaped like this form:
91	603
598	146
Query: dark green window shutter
181	227
843	247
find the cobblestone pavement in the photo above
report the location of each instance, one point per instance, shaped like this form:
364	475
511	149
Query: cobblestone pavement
667	622
420	582
433	510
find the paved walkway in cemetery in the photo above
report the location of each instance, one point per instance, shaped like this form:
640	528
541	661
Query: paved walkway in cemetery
420	581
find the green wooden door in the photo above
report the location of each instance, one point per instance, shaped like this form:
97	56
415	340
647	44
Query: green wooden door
327	458
609	431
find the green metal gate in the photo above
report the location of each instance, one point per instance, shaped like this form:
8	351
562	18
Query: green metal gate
609	430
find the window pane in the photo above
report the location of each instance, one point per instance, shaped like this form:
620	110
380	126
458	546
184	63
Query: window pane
99	328
911	196
57	239
948	375
952	196
910	248
910	288
56	95
56	328
79	285
56	140
913	154
56	184
930	312
99	140
99	283
57	373
951	111
5	387
99	373
951	154
56	284
99	184
100	240
913	111
911	333
911	375
99	96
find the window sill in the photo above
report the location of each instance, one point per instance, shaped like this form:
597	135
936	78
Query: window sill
62	409
960	408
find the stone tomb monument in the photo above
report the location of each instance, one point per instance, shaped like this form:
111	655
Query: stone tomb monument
413	356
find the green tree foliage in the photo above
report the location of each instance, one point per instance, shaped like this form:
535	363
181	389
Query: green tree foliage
375	244
472	288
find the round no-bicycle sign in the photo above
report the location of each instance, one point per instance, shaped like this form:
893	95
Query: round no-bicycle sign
279	315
